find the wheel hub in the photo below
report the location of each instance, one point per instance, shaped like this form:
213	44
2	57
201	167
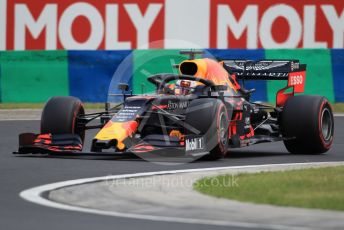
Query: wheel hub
326	124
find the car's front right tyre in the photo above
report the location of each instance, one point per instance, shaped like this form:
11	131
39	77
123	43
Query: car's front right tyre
210	117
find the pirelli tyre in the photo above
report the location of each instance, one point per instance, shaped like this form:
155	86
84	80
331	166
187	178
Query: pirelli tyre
60	114
209	116
308	122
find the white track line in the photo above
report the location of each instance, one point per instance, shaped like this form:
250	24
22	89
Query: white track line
35	195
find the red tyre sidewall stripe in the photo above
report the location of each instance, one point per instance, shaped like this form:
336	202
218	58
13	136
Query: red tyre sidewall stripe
326	145
75	113
218	120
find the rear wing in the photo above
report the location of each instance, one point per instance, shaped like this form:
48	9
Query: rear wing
290	70
264	69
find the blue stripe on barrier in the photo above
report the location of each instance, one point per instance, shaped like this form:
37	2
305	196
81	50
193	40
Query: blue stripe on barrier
261	90
91	72
337	56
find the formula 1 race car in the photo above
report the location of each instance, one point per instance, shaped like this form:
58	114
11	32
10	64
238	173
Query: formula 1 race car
201	112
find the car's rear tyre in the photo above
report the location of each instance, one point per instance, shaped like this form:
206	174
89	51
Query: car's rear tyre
308	122
60	114
210	117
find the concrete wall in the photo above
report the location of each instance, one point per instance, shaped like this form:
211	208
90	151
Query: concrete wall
34	76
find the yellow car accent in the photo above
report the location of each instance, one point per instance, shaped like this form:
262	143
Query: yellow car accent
118	131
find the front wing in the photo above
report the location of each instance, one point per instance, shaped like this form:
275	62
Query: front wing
71	145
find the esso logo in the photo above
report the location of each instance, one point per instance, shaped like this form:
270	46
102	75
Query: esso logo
296	80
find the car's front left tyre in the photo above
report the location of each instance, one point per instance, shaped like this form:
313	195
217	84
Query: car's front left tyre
60	116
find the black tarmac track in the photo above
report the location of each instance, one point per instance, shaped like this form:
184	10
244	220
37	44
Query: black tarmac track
20	173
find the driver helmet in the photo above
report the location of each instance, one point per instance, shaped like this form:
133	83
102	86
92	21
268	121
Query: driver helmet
184	87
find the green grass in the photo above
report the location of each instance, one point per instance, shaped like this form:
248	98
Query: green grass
321	188
338	107
41	105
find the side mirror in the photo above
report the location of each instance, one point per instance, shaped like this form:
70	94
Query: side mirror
123	87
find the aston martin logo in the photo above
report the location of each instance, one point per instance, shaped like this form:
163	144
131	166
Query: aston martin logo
177	105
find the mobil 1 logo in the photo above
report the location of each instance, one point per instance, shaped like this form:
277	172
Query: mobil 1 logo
194	144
